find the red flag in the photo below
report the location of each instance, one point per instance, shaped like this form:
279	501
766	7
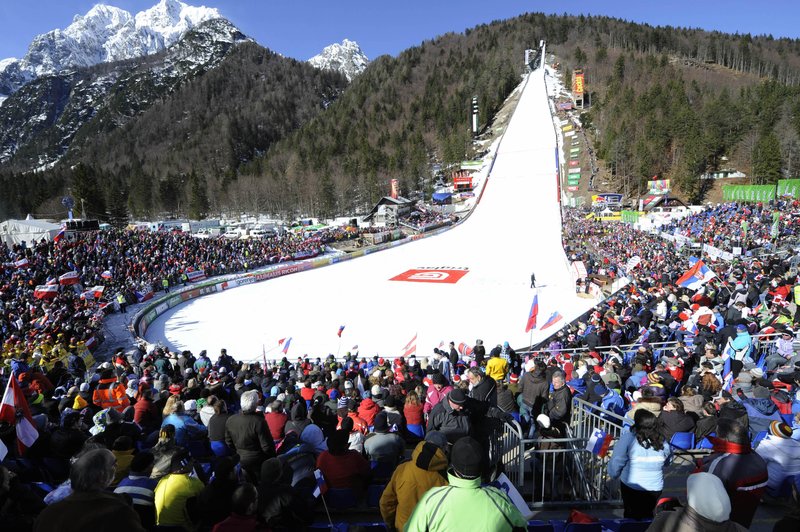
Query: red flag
341	329
533	314
14	411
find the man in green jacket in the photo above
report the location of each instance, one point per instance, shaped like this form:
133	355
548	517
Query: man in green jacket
464	504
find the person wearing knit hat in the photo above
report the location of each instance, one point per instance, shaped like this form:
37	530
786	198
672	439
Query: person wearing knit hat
782	455
470	506
708	508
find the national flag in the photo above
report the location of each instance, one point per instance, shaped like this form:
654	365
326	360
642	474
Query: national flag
533	314
107	275
360	385
727	375
87	295
632	263
341	328
69	278
60	234
196	275
599	442
354	348
321	488
280	342
286	345
97	291
21	263
41	323
411	347
14	403
51	280
554	318
141	297
3	451
696	276
45	291
465	349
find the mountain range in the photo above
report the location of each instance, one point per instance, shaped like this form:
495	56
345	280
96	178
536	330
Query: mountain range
108	34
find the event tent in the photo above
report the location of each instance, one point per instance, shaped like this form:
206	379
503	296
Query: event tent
30	230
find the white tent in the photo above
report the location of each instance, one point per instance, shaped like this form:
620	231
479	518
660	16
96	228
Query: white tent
15	231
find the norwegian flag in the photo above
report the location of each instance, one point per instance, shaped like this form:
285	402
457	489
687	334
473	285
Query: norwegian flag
45	291
69	278
22	263
465	349
14	411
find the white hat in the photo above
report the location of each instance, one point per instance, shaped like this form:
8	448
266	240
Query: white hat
543	420
530	365
190	405
376	390
84	387
706	494
348	385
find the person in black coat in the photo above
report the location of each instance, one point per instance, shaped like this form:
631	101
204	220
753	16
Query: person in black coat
479	352
674	418
559	404
453	355
248	435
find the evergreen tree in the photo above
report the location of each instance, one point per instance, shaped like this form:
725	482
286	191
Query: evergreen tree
86	189
767	162
198	197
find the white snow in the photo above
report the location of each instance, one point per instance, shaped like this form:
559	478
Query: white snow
346	58
514	230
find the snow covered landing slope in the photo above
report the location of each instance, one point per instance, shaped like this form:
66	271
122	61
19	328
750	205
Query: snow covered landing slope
468	283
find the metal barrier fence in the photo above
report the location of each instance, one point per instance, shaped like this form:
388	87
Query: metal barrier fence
561	471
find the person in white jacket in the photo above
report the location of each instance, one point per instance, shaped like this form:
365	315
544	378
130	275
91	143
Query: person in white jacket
782	454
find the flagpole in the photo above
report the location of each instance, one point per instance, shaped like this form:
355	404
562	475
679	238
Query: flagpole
322	496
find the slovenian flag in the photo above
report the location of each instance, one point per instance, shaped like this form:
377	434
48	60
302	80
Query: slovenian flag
727	375
321	488
60	234
599	442
286	345
69	278
552	320
533	314
341	329
21	263
106	275
696	276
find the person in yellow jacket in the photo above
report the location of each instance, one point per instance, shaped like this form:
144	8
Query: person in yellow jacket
497	367
412	479
173	491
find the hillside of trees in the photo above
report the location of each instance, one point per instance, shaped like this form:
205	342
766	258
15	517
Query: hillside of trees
667	102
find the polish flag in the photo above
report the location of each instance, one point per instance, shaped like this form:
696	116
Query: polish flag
14	411
69	278
45	291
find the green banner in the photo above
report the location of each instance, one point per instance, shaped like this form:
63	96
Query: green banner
789	187
748	192
630	216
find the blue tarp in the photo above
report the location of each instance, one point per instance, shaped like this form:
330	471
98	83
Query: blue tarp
442	197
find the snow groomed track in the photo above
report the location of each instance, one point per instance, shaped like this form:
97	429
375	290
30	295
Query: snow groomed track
470	282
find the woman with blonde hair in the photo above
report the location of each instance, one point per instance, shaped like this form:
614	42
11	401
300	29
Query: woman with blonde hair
186	428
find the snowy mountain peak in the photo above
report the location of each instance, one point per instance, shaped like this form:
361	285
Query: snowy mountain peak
347	58
105	33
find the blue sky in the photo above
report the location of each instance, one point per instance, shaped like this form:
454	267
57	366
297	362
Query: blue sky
301	28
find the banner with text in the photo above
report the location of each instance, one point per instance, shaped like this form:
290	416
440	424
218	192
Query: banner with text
748	192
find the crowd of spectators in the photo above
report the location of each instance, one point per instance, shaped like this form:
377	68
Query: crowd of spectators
223	445
422	218
743	225
128	262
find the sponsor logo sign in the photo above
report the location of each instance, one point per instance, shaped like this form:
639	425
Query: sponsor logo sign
439	274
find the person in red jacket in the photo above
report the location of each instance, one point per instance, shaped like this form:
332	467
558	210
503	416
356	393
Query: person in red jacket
276	419
110	393
368	409
412	410
343	467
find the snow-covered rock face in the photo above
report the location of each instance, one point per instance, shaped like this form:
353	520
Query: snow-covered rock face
346	58
102	35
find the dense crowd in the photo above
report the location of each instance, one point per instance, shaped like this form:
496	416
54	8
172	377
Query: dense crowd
224	445
743	225
130	263
421	218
